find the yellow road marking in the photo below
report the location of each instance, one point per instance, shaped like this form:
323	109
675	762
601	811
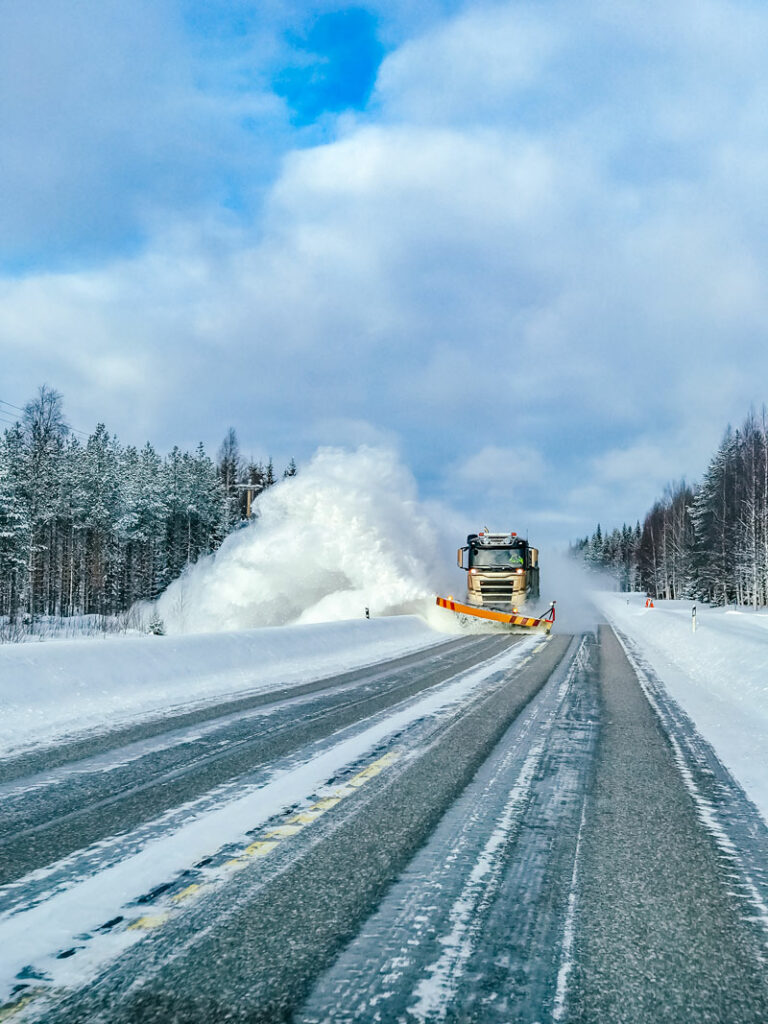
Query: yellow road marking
367	773
149	921
260	848
294	824
184	894
264	846
347	789
305	817
283	831
11	1009
326	803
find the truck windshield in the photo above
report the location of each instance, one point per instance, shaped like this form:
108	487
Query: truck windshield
496	558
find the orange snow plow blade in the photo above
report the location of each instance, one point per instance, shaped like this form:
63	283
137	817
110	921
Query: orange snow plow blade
509	619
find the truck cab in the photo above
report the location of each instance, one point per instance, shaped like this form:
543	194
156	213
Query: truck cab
502	570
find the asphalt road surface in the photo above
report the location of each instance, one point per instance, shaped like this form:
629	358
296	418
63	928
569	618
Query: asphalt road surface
536	833
54	802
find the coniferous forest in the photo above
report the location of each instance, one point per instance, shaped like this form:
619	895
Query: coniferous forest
708	541
89	526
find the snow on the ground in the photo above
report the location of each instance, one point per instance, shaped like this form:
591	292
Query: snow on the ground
719	675
37	934
67	627
48	691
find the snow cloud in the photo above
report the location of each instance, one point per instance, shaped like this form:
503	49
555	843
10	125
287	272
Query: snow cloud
344	535
532	259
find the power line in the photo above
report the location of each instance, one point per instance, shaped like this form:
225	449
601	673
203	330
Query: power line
2	402
18	408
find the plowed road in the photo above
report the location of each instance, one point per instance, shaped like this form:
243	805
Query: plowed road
498	829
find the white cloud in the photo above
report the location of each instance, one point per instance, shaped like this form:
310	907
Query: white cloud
110	123
539	265
496	468
475	63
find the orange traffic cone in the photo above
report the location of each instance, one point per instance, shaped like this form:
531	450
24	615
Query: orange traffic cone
648	603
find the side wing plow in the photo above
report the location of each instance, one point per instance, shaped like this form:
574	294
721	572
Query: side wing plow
513	619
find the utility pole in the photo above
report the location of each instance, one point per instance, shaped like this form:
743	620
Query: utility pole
251	490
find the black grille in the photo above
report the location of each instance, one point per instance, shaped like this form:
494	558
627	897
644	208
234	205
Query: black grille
493	591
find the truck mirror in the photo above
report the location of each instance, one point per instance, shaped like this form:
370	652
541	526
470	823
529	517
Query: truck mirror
460	557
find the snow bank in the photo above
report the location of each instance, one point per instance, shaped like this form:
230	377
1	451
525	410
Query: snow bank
47	691
346	533
719	675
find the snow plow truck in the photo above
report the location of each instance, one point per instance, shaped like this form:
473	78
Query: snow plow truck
502	574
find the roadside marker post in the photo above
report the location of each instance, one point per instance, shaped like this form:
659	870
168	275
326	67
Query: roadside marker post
693	619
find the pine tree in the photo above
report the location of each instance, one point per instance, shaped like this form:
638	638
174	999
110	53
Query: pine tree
44	430
713	515
91	527
229	467
15	528
595	553
101	478
151	508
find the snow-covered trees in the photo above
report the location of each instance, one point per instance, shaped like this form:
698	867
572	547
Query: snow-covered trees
708	542
615	553
88	526
229	468
665	551
731	518
15	527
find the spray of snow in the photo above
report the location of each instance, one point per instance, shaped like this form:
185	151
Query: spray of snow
347	533
566	580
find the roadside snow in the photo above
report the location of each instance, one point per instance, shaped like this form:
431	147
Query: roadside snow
61	920
718	675
49	691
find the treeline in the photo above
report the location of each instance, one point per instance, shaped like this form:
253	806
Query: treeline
89	526
708	541
615	552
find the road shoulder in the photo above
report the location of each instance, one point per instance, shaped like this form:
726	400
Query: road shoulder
660	936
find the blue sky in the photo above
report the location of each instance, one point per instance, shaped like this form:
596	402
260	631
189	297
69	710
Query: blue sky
524	243
335	65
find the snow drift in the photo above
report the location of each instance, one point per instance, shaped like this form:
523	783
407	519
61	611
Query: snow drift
52	690
346	534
